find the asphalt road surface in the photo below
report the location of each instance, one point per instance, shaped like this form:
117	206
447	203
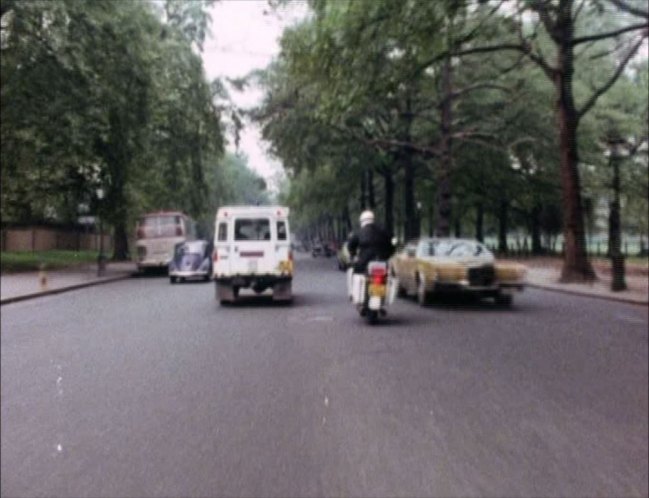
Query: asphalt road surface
141	388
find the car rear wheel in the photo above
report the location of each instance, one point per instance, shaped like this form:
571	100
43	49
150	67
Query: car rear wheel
504	300
172	280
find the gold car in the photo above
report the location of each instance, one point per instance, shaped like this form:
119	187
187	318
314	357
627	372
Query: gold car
428	266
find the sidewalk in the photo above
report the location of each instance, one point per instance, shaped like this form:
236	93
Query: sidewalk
20	286
544	274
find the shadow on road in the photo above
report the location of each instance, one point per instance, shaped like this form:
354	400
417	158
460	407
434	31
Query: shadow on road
461	302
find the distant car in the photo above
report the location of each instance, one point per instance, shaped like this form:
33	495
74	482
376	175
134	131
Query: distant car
429	266
319	249
191	260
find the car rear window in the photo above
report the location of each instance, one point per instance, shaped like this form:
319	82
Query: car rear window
252	229
194	247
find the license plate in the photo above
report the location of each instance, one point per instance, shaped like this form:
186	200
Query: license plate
252	266
377	290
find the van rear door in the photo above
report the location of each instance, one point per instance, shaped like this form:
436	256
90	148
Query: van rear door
221	253
253	245
282	242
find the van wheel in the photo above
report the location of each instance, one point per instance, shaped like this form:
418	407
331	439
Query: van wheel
226	293
172	280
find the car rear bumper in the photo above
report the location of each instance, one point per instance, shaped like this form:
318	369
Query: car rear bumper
451	287
188	273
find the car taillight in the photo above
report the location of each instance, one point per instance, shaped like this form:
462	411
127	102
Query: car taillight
290	255
140	233
215	256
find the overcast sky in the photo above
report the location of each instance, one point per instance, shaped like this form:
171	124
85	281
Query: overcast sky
245	36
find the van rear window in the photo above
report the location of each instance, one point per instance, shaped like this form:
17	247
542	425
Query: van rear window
281	230
252	229
223	232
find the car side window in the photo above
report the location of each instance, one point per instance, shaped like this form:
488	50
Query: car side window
223	232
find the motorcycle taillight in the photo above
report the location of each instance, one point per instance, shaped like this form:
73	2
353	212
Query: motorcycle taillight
378	276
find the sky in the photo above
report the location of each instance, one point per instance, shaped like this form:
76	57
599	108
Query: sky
245	36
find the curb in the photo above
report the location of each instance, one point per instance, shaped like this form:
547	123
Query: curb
587	294
60	290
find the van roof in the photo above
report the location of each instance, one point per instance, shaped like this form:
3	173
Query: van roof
279	211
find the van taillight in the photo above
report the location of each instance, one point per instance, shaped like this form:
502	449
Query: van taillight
290	255
179	230
215	256
140	233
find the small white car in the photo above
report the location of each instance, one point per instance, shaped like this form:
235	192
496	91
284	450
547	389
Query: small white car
252	249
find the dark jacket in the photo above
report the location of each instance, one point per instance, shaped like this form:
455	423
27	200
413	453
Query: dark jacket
371	243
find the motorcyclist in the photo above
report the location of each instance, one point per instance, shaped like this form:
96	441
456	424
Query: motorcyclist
372	242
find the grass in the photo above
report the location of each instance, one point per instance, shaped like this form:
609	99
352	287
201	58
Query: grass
14	262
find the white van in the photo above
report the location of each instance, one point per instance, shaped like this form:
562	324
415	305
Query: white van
252	249
157	234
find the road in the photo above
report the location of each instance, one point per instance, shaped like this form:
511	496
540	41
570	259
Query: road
142	388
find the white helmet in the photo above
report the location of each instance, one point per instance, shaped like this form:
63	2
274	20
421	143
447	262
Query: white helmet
366	218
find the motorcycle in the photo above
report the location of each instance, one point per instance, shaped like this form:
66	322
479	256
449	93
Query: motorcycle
372	292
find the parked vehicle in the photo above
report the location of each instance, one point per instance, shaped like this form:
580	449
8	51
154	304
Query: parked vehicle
372	292
429	266
157	234
252	250
191	259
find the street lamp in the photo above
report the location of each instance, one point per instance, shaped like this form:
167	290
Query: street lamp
101	259
615	240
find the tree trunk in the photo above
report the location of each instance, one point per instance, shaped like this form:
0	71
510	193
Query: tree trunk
502	227
443	217
458	228
479	222
120	242
370	189
576	266
410	221
537	246
389	202
618	282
